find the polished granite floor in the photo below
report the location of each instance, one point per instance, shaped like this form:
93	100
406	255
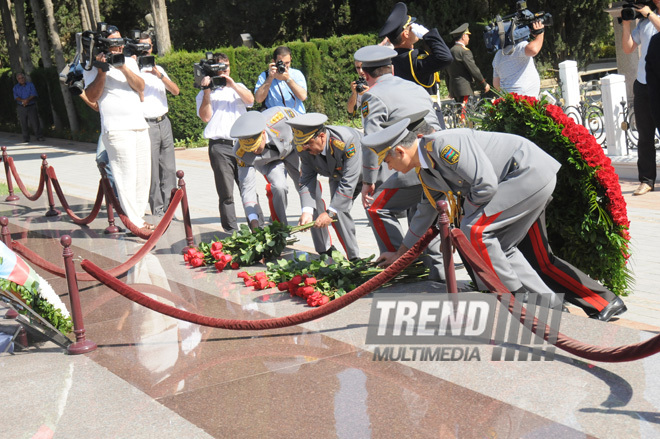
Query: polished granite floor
153	375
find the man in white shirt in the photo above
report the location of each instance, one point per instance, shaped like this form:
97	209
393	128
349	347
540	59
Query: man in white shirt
219	108
125	132
154	108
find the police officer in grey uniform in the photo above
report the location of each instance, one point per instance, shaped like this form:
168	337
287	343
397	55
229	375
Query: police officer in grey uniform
505	180
389	98
334	152
264	144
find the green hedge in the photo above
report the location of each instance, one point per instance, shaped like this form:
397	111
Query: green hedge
326	63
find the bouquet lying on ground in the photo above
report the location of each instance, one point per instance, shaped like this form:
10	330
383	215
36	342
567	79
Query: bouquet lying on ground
244	247
18	277
321	280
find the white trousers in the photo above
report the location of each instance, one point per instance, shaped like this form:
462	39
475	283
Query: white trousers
129	154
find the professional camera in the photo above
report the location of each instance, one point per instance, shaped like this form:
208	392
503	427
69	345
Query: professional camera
281	68
508	30
97	42
361	85
629	11
208	67
141	50
72	74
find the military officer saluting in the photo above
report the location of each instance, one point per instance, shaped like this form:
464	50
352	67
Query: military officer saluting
264	144
463	72
412	64
505	180
334	152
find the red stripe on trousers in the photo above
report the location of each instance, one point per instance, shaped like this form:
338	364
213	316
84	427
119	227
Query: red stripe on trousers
271	205
476	237
379	225
559	276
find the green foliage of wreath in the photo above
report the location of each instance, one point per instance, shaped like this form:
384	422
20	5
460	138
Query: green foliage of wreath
586	220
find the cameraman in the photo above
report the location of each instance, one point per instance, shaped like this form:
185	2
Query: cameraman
280	85
641	36
117	90
513	66
357	90
220	108
154	108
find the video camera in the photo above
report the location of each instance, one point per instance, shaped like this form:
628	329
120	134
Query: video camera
208	67
97	42
629	12
361	84
508	30
72	74
141	50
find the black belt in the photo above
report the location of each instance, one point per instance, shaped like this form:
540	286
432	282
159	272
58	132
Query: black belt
221	142
156	119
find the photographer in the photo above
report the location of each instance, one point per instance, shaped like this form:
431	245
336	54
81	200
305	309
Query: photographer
117	90
220	107
648	26
513	66
358	88
280	85
154	108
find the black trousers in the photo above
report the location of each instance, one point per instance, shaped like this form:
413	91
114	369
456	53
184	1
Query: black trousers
646	167
29	115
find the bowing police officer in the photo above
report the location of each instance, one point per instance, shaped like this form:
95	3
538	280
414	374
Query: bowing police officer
264	144
333	152
505	180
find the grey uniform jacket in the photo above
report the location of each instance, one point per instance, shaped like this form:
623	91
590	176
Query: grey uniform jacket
389	98
493	170
342	164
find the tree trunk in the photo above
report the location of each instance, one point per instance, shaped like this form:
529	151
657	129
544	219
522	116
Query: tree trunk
10	35
85	20
159	11
24	47
60	63
42	33
93	11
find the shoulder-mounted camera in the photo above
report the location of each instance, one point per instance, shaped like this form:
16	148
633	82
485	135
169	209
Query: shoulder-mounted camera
629	11
509	30
209	67
140	50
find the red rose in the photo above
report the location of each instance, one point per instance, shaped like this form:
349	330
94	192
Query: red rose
243	274
216	246
197	262
296	279
325	299
306	291
226	258
234	265
260	275
310	281
283	286
220	265
217	254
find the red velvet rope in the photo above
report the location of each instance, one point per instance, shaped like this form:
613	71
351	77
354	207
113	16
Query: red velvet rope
118	270
381	278
21	186
110	195
76	219
615	354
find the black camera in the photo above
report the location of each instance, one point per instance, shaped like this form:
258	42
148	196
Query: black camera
208	67
281	68
72	74
361	85
629	12
94	43
140	50
513	28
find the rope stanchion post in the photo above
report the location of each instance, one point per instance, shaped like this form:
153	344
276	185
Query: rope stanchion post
4	231
185	211
49	189
81	345
447	255
10	185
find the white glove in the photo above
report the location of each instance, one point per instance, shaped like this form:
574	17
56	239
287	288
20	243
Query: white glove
418	30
